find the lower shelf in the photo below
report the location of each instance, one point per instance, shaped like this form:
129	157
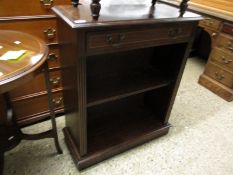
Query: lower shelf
109	151
118	125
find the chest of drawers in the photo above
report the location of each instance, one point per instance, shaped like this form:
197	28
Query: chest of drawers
36	18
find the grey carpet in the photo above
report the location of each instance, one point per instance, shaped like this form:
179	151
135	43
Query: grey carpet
200	141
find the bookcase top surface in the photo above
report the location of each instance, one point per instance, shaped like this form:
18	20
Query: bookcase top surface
121	12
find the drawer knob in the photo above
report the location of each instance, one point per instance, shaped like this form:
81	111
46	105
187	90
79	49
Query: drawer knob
211	22
229	43
55	81
230	48
52	57
118	42
226	61
213	34
219	76
50	33
174	32
57	101
47	3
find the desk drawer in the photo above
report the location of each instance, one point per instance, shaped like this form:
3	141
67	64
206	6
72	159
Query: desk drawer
42	28
121	39
228	28
222	58
28	7
36	108
225	42
220	75
212	23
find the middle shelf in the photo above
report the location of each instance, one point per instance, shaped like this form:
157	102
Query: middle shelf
115	76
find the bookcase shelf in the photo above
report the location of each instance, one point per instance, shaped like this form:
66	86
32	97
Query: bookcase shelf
116	76
119	121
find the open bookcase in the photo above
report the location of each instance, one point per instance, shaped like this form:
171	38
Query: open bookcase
129	93
120	74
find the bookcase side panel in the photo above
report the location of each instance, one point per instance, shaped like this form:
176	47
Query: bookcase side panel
73	73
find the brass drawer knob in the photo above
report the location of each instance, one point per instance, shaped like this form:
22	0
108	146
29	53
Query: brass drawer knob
219	76
50	33
55	80
230	48
225	60
211	22
214	34
229	43
47	3
52	57
58	101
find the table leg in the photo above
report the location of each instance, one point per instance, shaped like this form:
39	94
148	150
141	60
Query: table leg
1	163
51	108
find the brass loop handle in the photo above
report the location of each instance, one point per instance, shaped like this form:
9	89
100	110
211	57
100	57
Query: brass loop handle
174	32
219	76
226	61
57	101
116	43
55	80
47	3
50	33
52	57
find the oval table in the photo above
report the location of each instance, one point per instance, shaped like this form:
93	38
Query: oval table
15	72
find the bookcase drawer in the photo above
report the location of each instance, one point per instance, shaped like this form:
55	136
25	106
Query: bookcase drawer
36	108
220	75
222	58
28	7
42	28
121	39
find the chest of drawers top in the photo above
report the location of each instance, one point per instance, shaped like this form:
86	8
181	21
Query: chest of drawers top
28	7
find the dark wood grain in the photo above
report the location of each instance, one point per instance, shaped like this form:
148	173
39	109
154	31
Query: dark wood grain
121	74
23	70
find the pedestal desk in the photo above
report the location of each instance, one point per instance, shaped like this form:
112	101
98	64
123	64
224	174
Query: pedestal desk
122	70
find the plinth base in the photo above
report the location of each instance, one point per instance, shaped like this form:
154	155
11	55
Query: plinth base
90	159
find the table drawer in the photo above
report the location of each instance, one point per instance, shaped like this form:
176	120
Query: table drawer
28	7
42	28
219	74
223	58
227	28
121	39
36	106
212	23
225	42
37	86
